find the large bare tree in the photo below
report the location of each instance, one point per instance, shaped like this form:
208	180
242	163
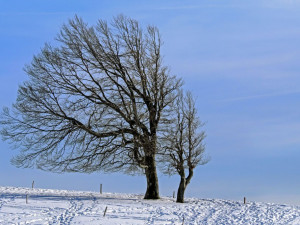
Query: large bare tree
94	101
183	142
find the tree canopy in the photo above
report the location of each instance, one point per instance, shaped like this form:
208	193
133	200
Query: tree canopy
95	100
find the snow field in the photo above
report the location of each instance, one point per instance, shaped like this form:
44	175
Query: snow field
47	206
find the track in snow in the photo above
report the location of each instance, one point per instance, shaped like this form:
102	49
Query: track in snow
70	207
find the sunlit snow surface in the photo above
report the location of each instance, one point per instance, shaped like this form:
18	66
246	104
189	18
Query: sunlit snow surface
47	206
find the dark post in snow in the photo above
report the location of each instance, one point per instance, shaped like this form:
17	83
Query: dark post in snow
26	199
100	188
173	194
32	184
105	211
244	200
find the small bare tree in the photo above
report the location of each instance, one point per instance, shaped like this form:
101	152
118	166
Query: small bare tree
183	143
94	102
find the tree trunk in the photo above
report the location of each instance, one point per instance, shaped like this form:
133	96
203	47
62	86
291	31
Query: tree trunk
152	180
183	184
181	190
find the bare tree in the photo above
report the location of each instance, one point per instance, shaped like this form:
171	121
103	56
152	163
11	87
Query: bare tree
93	101
183	143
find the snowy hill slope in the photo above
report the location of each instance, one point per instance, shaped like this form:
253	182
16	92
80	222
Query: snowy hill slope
74	207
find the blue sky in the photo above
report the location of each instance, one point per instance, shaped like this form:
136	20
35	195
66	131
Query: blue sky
241	60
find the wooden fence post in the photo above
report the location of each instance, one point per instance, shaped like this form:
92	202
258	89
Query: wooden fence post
105	211
32	184
100	188
26	199
244	200
173	194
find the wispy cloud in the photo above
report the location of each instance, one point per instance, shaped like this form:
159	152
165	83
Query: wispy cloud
234	4
253	66
264	35
250	62
267	95
193	7
32	13
280	4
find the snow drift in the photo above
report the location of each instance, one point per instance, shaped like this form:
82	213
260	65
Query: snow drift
46	206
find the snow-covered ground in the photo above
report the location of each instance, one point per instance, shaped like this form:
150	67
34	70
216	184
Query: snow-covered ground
47	206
